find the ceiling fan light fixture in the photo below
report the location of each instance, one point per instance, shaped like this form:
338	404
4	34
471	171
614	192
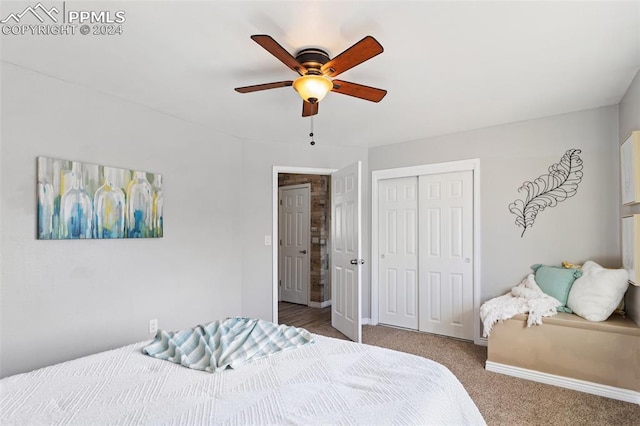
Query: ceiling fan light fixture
312	88
317	71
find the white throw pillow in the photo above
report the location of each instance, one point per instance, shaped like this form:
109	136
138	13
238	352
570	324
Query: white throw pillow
596	294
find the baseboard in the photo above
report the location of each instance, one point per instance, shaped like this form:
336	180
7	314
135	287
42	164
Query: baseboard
482	341
366	321
320	304
612	392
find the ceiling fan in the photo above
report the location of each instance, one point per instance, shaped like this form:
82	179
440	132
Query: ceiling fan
316	71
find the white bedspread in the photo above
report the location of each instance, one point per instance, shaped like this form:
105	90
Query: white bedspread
329	382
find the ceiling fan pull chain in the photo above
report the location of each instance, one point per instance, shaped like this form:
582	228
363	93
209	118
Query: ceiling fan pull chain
311	133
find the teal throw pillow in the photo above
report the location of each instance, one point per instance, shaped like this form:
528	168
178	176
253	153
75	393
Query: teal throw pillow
556	282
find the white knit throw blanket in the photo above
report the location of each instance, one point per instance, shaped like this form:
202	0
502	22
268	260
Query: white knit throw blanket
524	298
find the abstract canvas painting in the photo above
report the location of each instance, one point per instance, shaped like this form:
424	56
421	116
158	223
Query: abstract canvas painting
80	200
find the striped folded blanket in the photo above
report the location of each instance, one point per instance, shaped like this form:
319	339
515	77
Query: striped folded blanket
225	344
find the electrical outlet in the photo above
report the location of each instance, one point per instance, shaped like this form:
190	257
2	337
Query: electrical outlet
153	326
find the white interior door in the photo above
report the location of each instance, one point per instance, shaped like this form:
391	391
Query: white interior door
446	254
294	243
346	259
398	251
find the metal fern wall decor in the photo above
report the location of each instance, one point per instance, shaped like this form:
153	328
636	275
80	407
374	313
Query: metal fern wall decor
548	190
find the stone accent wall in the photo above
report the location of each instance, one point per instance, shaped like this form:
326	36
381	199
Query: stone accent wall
320	290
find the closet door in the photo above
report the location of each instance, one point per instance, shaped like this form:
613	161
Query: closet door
446	254
398	252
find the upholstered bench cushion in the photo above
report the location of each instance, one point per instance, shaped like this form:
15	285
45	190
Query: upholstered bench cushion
566	345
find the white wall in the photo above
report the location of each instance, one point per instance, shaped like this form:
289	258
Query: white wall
629	110
258	160
64	299
580	228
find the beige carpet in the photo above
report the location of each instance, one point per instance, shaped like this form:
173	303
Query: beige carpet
502	400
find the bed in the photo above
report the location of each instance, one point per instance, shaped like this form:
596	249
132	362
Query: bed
329	381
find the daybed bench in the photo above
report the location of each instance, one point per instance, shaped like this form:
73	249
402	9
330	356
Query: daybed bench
601	358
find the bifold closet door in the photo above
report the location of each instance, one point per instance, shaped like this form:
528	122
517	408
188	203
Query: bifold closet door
398	252
446	253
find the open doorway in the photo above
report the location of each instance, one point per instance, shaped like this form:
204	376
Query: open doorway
344	246
304	227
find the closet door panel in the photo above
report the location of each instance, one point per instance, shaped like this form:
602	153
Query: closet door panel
398	252
446	254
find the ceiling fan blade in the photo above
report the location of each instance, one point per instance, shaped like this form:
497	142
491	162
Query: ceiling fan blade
362	51
272	46
309	109
358	90
266	86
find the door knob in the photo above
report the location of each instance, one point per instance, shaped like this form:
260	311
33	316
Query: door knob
303	251
354	261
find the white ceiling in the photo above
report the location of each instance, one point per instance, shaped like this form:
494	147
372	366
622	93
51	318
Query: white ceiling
447	66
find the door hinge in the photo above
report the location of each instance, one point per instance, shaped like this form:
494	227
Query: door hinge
280	283
280	242
280	202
